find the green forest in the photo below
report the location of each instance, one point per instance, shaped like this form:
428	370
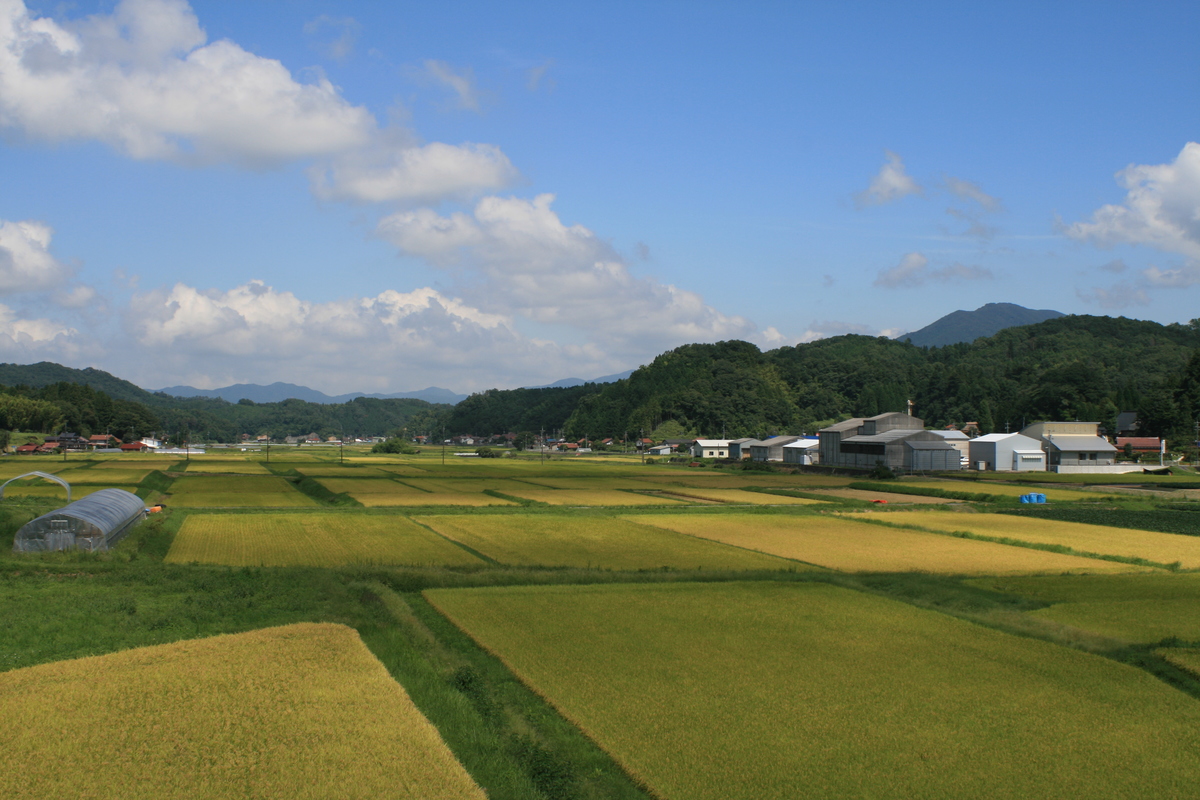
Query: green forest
1075	367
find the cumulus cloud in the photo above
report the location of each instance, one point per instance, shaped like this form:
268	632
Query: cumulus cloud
461	84
535	77
413	174
212	335
892	183
25	261
1178	278
914	271
144	80
518	255
1161	208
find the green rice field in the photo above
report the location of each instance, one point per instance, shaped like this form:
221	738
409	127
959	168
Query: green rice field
249	491
845	695
315	540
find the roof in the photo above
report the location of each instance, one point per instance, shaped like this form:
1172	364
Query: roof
774	441
956	435
888	436
848	425
1087	444
1150	442
1028	452
713	442
927	445
804	443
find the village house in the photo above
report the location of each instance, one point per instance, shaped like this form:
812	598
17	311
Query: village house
1007	452
1075	447
710	448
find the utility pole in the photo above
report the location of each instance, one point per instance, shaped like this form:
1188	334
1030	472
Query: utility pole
443	445
642	445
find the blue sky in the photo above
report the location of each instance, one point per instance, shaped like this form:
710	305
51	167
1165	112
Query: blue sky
383	197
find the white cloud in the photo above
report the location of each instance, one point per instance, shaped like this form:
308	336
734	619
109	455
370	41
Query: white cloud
913	271
1161	208
25	261
892	183
16	330
535	77
395	340
343	32
517	255
461	84
1121	295
144	81
823	329
410	174
971	191
1179	278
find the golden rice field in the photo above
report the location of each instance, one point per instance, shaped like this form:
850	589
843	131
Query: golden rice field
766	691
592	542
1135	608
736	480
1163	548
310	540
854	546
106	476
237	467
125	461
308	712
576	482
592	497
250	491
740	497
339	471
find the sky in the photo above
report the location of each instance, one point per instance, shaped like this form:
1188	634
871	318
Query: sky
383	196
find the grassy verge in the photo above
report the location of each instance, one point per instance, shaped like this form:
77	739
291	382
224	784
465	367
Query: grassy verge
924	491
1163	520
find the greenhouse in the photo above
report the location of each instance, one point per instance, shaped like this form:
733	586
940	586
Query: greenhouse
95	523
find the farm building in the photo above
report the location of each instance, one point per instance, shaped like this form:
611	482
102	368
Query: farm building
897	440
95	523
1075	447
1007	452
740	448
801	451
710	448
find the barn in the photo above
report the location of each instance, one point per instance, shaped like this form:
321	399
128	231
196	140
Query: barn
95	523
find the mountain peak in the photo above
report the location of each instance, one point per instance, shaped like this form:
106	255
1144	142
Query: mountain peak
967	326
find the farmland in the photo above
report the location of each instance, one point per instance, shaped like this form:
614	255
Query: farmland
643	585
933	707
1162	548
314	540
604	542
307	706
858	546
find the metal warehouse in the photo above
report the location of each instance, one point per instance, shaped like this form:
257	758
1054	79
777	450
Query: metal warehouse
95	523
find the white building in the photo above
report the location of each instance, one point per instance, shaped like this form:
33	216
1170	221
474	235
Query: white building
710	448
1007	452
802	451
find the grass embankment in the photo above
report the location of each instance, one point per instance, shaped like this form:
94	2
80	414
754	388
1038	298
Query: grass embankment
308	712
867	696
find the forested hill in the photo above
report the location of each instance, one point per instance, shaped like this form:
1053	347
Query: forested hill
1074	367
92	401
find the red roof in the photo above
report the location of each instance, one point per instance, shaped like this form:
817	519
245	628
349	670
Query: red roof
134	446
1139	442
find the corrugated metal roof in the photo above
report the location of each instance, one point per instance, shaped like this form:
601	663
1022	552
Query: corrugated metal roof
1086	444
925	445
848	425
885	437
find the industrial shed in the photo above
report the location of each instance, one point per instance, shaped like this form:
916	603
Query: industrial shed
95	523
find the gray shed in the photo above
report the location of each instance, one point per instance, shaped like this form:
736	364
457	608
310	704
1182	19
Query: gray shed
94	523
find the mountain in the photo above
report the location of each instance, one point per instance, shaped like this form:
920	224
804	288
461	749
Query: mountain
967	326
278	392
566	383
45	373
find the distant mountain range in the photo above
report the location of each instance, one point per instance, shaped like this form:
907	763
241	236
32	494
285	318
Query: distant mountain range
967	326
278	391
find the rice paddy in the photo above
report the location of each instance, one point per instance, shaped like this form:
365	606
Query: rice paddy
108	477
316	540
738	497
1134	608
250	491
1054	495
768	690
238	467
592	497
382	493
886	497
859	546
604	542
1162	548
1184	658
308	712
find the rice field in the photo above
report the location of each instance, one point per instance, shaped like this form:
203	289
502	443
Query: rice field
1142	608
338	471
740	480
1163	548
238	467
772	690
309	712
603	542
381	493
592	497
1184	658
310	540
739	497
888	497
107	477
1054	495
854	546
53	490
250	491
